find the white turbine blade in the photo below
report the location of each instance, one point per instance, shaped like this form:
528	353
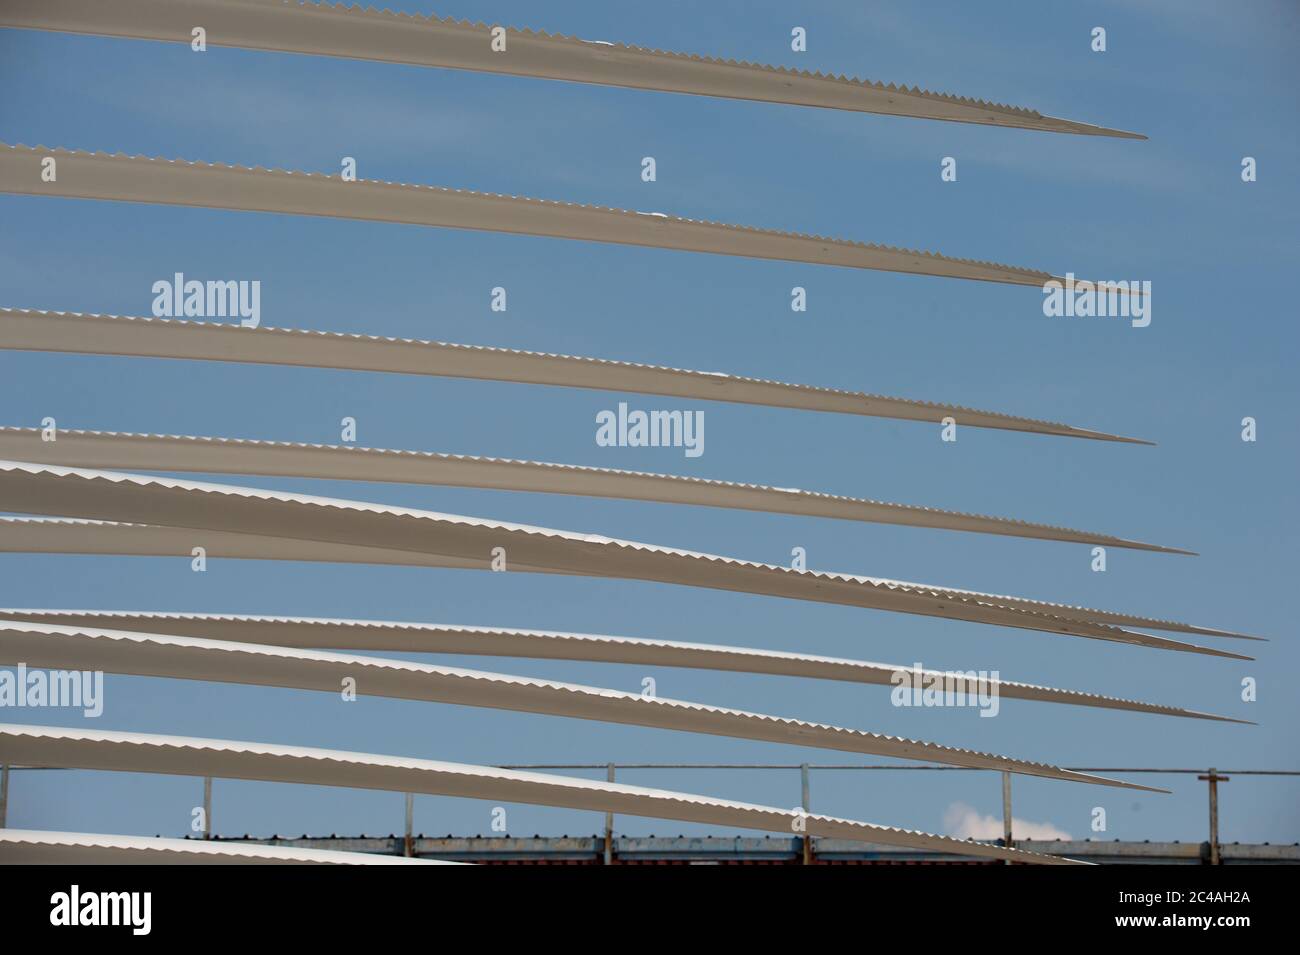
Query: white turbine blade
389	37
400	637
37	847
45	535
227	759
1114	618
71	332
46	646
85	175
470	541
156	452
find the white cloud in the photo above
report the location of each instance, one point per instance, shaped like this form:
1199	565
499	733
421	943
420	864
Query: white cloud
965	822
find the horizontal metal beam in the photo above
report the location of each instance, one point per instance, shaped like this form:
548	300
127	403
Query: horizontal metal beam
745	849
883	767
394	37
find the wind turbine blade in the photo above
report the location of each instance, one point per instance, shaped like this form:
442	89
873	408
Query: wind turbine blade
382	636
85	175
46	646
37	847
393	37
470	542
70	332
157	452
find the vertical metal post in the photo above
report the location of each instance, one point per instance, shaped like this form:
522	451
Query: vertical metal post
1213	778
804	802
4	794
207	807
408	844
609	822
1006	810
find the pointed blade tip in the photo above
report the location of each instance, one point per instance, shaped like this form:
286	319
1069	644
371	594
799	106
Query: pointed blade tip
1090	129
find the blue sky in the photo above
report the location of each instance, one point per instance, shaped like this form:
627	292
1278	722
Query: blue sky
1208	83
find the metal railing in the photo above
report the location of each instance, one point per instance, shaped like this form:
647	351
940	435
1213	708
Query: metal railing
1211	776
